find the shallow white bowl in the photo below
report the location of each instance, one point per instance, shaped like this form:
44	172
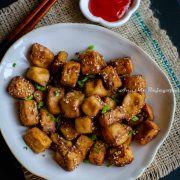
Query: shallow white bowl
73	38
86	12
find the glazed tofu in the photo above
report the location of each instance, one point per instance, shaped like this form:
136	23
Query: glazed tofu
135	83
68	130
95	88
39	96
20	88
109	102
120	156
28	112
40	56
37	140
70	104
146	131
91	62
47	121
92	105
97	153
133	103
58	62
83	144
147	109
83	125
111	78
70	74
112	116
116	134
53	99
39	75
123	66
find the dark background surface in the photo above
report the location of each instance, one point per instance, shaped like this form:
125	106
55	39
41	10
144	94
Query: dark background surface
168	12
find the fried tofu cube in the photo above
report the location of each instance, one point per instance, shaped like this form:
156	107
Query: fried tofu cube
111	78
53	99
70	73
116	134
83	125
21	88
70	104
95	88
129	140
47	121
120	156
92	105
84	144
97	153
58	62
109	102
147	109
28	112
39	75
37	140
40	56
146	131
91	62
122	66
112	116
39	96
68	130
135	83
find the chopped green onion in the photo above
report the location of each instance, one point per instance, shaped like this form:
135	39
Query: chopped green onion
52	117
134	118
105	109
115	97
93	137
57	92
40	105
30	97
96	148
108	164
82	82
132	133
86	161
14	65
91	47
40	88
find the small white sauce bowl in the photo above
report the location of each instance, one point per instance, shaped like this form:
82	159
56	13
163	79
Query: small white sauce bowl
84	6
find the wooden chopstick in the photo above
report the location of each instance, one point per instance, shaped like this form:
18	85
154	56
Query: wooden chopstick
27	24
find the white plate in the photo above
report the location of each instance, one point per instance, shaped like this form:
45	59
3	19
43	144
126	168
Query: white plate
74	38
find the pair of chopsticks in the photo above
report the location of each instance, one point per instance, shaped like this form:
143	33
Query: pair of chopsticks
26	25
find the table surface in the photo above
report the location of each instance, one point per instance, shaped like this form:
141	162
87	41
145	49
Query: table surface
168	13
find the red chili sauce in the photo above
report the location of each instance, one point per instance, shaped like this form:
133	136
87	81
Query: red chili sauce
109	10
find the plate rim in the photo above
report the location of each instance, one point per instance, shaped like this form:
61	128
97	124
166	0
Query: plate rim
119	36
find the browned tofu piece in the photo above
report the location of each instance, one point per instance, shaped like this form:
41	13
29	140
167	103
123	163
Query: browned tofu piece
109	102
112	116
91	62
68	130
132	103
47	121
120	156
129	140
111	78
40	56
84	125
53	99
146	131
122	66
37	140
28	113
84	144
97	153
136	120
70	104
116	134
58	62
135	83
21	88
147	109
39	75
70	73
39	96
95	88
92	105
